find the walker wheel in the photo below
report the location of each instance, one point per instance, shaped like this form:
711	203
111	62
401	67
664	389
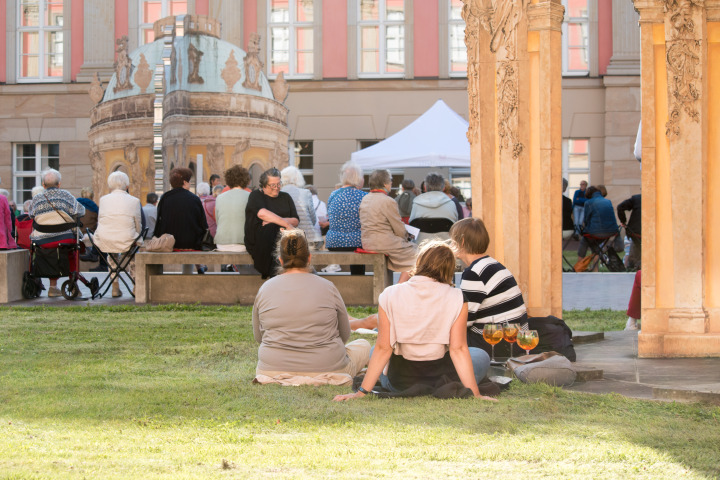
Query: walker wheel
70	290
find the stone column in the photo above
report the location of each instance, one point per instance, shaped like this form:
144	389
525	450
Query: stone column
514	90
98	41
626	40
680	177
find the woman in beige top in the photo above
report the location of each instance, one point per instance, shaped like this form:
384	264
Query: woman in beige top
299	320
422	331
381	228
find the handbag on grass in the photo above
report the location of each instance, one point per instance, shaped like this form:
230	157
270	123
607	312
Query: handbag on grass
547	367
583	263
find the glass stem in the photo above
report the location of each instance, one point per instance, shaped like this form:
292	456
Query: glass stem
493	353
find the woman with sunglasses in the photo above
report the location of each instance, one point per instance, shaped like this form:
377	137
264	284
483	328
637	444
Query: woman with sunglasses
268	211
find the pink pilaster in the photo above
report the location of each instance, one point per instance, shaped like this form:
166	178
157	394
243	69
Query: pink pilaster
3	72
334	34
77	50
249	22
425	35
202	7
605	44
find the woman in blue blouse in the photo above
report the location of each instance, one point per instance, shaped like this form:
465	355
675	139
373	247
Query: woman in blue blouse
343	213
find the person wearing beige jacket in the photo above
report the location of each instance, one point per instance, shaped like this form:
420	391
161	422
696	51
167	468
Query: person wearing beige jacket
119	221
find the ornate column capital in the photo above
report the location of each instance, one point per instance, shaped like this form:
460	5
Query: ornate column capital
546	15
650	11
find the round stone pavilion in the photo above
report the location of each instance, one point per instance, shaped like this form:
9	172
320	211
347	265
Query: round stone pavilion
185	98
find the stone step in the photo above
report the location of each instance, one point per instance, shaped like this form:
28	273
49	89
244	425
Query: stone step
587	337
687	395
586	374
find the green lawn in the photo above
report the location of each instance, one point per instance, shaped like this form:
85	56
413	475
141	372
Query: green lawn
165	392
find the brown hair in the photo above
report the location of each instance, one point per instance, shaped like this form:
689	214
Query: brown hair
293	250
179	175
436	260
470	235
237	176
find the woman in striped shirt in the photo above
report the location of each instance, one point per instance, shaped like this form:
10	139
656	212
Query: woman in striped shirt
490	290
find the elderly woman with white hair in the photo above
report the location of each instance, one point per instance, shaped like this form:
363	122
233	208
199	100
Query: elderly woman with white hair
343	209
293	183
119	220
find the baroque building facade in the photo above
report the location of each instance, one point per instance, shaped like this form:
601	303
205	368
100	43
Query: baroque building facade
358	71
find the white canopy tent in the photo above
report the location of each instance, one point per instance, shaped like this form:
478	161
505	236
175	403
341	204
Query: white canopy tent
436	139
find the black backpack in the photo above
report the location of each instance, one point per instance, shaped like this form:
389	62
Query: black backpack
554	335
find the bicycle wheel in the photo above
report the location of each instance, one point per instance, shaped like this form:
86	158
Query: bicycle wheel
614	263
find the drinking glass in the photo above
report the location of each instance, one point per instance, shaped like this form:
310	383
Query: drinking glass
493	334
527	340
510	331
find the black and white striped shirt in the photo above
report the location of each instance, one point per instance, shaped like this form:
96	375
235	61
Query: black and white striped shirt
492	294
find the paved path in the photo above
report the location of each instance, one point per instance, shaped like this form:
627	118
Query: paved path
648	378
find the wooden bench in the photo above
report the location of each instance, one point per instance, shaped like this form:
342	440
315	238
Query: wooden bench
13	264
153	285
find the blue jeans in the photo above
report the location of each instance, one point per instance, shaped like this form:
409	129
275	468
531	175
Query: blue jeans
480	362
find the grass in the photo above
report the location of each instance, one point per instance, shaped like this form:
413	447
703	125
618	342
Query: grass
165	392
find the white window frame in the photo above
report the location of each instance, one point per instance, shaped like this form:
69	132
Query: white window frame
292	26
452	22
567	171
295	161
37	173
456	172
585	23
42	30
164	12
382	23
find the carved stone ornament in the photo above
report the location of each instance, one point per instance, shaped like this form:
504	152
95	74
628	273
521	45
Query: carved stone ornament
216	158
683	47
144	74
97	163
280	156
194	58
253	65
123	66
96	90
500	19
231	74
173	65
280	88
135	170
240	149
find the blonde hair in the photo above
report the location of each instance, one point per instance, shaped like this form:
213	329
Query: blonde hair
436	260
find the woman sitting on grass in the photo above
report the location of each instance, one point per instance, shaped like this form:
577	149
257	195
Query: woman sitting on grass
300	320
491	292
422	331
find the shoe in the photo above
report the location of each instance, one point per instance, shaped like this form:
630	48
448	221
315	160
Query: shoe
116	291
334	268
54	292
202	269
631	324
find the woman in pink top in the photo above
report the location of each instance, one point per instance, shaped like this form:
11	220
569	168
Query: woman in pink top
422	331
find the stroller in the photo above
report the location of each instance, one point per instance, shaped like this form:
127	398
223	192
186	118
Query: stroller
60	261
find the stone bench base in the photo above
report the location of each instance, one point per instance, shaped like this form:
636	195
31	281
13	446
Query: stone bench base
153	285
13	264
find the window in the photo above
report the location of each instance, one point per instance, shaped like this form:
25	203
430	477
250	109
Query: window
291	37
40	40
460	178
576	38
381	30
153	10
366	143
576	163
458	51
29	160
302	153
